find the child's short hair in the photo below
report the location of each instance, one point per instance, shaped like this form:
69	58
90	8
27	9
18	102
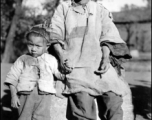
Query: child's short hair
39	31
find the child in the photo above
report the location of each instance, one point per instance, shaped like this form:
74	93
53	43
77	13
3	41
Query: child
31	80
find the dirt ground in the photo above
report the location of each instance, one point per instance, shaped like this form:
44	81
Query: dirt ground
138	76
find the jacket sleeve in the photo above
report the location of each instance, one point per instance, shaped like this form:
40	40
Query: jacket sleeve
109	30
57	26
117	49
14	73
59	83
56	72
119	54
110	37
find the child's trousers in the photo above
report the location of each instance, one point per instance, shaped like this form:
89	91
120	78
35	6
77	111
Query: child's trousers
35	106
81	106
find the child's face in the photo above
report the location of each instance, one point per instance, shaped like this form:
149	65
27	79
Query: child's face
36	46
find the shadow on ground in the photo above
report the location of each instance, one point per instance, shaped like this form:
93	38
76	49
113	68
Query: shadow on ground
7	113
141	100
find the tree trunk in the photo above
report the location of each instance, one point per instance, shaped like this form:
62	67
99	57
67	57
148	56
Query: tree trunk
9	51
129	34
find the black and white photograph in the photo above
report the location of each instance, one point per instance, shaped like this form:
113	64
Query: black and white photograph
75	60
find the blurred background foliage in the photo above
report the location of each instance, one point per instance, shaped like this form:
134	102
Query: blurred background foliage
133	22
15	22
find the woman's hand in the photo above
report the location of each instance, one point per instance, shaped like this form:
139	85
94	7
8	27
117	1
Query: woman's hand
104	66
64	66
105	62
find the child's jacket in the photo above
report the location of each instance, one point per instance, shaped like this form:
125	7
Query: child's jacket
81	31
28	71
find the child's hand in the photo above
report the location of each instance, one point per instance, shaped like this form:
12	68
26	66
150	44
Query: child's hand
104	66
15	102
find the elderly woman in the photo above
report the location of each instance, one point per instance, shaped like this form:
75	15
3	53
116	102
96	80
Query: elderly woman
90	53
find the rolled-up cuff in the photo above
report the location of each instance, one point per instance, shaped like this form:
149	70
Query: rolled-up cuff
57	41
112	39
10	81
117	49
56	38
